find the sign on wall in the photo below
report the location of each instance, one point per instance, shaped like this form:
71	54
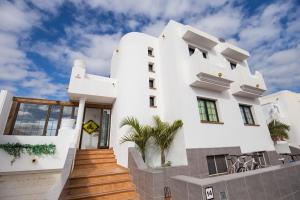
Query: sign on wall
90	126
209	193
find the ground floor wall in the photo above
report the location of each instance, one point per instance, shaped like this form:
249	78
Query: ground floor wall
272	183
27	186
156	183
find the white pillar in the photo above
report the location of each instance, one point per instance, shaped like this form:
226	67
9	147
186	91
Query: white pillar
5	106
78	125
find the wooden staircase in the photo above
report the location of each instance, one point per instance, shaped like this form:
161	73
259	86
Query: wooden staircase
96	175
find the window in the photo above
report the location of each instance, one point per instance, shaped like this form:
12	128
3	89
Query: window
39	119
204	54
208	110
150	52
151	67
216	164
30	119
192	51
232	64
247	114
152	101
151	83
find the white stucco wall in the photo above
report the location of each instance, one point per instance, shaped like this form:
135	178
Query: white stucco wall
288	104
176	99
24	163
181	100
5	105
130	68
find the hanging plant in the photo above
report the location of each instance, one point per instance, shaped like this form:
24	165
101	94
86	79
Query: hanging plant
16	149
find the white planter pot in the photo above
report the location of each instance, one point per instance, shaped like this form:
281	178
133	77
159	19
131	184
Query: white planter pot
282	147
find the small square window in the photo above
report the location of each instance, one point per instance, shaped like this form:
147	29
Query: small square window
232	65
191	50
152	101
150	51
217	164
151	83
204	54
151	67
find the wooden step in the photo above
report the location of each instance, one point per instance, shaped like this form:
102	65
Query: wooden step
83	182
96	175
89	172
95	161
93	152
127	194
94	156
102	188
95	166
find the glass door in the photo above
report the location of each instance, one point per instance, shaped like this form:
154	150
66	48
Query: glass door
95	129
104	130
91	128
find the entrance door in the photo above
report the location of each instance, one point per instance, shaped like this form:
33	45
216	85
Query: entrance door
95	130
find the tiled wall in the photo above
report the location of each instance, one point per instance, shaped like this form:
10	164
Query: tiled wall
150	183
273	183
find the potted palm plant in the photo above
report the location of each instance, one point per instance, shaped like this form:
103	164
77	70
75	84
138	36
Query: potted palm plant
163	134
278	130
139	134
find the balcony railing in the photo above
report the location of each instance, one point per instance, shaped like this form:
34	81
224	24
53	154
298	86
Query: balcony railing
93	88
248	85
204	74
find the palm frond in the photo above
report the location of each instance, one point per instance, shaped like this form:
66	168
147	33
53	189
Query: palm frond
139	134
164	133
278	130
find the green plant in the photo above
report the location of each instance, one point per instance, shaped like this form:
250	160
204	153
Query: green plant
167	164
163	134
278	130
16	149
139	134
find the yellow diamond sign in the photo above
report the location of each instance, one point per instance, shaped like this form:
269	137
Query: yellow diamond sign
90	126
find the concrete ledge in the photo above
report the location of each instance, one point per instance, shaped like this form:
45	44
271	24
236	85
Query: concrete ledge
272	183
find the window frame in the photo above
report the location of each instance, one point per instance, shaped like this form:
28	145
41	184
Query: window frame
150	52
205	101
151	69
232	64
204	53
244	115
216	166
153	83
154	101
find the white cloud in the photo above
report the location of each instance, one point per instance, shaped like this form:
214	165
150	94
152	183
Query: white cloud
49	6
95	50
16	17
224	23
154	8
17	72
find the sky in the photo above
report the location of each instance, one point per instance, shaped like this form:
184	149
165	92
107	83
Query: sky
40	39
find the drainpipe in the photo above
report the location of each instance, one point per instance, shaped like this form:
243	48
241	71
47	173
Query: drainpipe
78	125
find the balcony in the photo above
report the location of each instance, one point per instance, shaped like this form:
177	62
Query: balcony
204	74
199	38
92	88
235	53
248	85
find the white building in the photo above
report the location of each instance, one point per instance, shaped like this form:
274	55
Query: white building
182	74
284	106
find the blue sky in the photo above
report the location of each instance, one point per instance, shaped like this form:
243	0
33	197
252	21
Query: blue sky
40	39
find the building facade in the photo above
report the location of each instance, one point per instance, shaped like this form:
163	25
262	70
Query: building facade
182	74
284	106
